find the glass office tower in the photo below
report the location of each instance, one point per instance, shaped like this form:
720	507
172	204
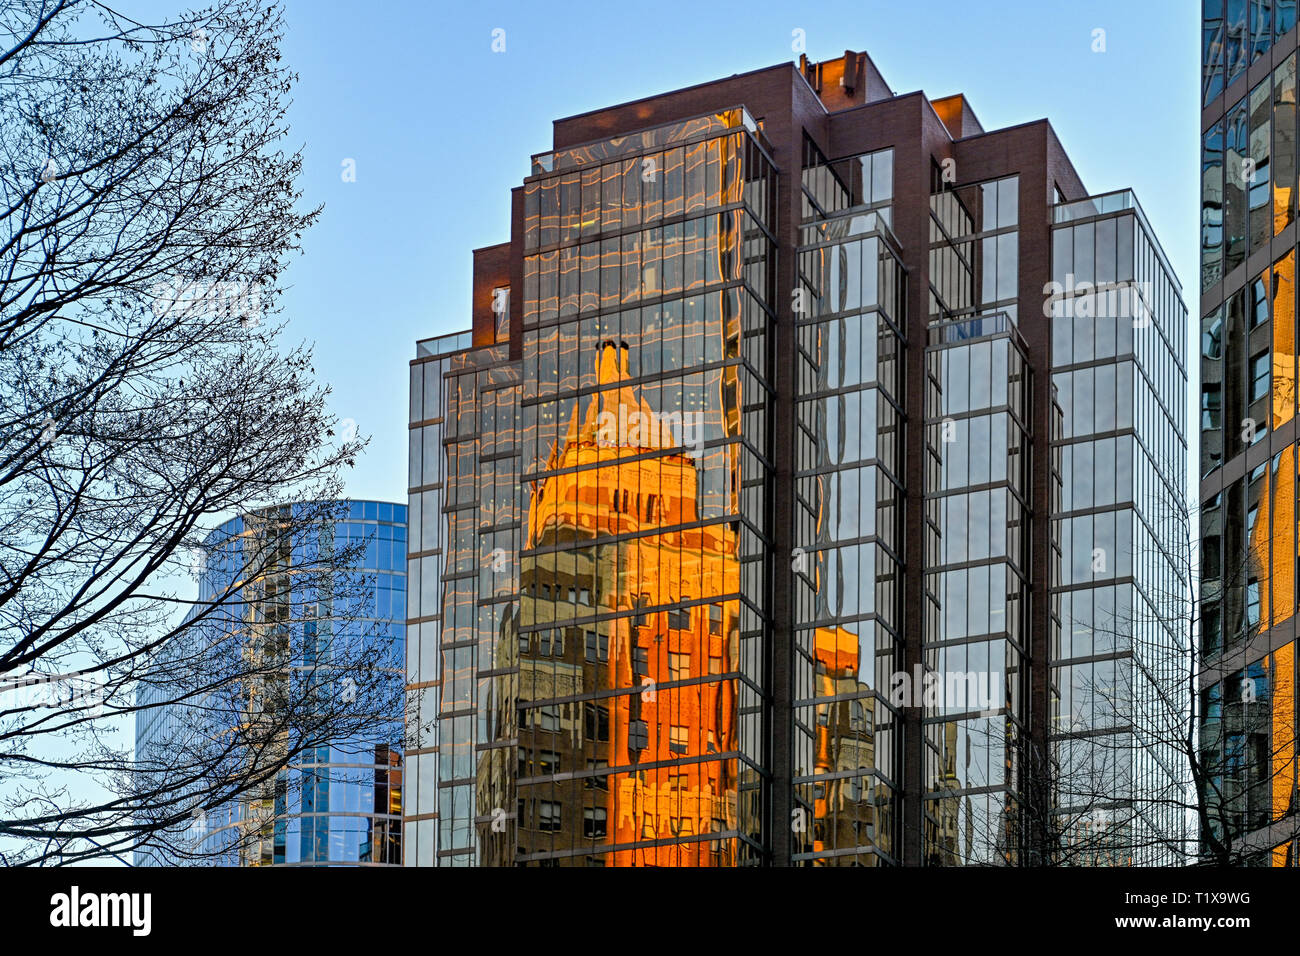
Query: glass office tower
684	571
1247	611
1119	667
269	586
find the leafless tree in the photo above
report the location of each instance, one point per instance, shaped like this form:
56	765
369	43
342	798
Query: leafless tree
1122	777
1174	767
147	210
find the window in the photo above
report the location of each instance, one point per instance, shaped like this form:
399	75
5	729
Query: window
596	722
596	781
640	602
1212	336
1283	16
501	312
853	789
1238	145
548	816
679	666
1258	302
1000	202
1259	182
597	647
1236	39
1211	406
1261	28
1212	50
1212	207
548	718
835	186
1284	129
680	620
858	715
1211	630
678	739
715	664
1259	372
593	822
719	826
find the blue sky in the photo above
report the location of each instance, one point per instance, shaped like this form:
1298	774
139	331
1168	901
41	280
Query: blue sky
441	128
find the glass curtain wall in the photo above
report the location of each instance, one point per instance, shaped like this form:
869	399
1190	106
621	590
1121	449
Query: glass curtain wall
848	513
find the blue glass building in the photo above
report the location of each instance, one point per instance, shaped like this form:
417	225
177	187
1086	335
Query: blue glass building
339	802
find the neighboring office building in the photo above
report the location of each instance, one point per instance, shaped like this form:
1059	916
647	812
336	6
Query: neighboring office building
339	803
664	491
1248	425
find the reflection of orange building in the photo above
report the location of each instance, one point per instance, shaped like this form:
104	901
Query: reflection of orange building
1276	578
1271	552
1277	498
1276	575
1283	746
661	717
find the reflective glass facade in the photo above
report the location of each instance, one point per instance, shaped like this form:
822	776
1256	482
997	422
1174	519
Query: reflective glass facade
977	590
757	452
1119	376
340	801
643	426
978	456
464	510
847	561
1248	465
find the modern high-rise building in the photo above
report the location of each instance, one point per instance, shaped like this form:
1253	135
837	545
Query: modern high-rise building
317	592
790	499
1248	465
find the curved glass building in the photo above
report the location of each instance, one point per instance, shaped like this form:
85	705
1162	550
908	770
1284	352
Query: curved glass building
324	585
